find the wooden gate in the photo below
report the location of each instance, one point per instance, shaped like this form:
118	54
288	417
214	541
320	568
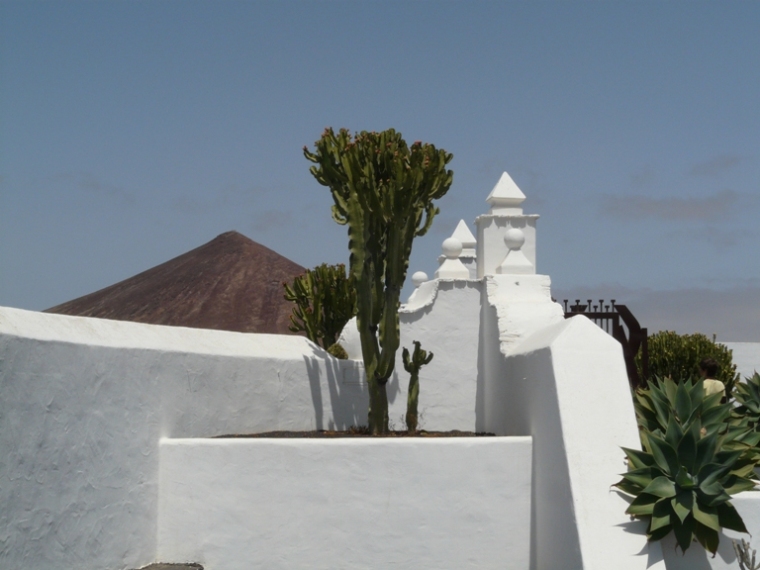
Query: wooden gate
615	319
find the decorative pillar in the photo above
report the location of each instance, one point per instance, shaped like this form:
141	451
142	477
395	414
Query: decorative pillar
506	214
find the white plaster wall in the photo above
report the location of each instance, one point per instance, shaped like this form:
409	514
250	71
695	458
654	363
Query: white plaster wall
445	321
454	503
746	356
85	401
566	385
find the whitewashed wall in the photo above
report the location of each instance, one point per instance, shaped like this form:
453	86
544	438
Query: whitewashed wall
85	401
443	504
566	385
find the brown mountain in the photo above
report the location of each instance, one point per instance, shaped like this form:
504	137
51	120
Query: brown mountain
231	283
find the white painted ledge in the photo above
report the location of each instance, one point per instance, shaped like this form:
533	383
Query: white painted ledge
448	503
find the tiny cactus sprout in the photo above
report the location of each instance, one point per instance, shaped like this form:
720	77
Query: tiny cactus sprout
745	559
412	366
690	465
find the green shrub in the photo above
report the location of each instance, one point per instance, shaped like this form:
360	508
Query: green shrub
325	300
691	464
677	356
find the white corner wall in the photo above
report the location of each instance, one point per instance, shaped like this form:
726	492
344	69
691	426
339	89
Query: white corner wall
746	356
85	401
346	504
566	385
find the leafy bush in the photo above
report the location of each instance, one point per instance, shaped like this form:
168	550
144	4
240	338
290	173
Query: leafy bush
691	464
325	300
677	356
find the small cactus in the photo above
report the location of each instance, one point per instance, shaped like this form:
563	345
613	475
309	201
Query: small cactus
412	365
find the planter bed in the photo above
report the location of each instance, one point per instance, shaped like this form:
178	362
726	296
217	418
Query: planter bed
334	502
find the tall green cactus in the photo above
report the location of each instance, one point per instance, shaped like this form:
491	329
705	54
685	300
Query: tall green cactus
384	191
325	300
412	366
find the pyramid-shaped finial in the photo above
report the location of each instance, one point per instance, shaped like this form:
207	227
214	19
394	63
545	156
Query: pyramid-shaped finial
463	234
506	197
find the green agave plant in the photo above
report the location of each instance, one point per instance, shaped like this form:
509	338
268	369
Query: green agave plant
745	419
690	466
747	395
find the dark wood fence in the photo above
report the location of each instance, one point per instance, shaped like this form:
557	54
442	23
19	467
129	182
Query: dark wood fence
618	321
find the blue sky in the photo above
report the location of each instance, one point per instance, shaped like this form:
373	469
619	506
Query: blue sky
132	132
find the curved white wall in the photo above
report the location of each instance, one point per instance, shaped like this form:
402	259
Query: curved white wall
85	401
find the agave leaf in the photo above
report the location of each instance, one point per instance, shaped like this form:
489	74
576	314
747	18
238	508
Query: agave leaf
708	516
711	473
727	458
713	500
682	504
730	519
683	403
706	448
628	487
734	484
660	533
661	487
697	395
665	456
687	448
674	432
642	477
660	515
684	532
642	505
639	459
684	480
707	537
670	389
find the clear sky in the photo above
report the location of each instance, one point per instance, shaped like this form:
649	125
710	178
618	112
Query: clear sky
132	132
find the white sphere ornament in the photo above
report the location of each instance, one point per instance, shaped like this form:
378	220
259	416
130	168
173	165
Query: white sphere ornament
451	247
419	278
514	238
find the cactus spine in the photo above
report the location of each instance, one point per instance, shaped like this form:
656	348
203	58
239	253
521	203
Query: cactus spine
383	190
325	300
412	366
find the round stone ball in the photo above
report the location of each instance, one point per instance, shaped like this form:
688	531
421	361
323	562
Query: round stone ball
514	238
419	278
451	247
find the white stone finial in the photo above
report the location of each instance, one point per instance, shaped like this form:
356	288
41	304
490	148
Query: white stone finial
515	262
451	247
463	234
419	278
506	197
451	267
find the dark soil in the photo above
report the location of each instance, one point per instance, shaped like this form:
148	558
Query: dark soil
358	432
162	566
